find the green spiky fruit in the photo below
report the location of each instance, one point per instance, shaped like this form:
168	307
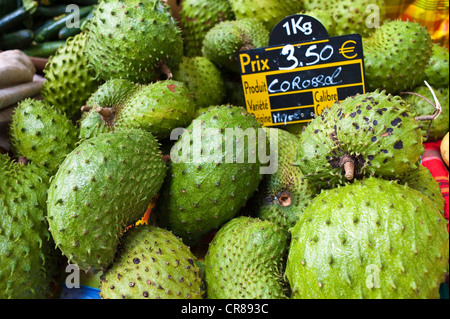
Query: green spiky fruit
28	259
152	263
245	260
135	40
103	185
227	38
208	182
325	17
364	135
422	180
68	80
42	133
437	71
355	16
110	95
420	107
282	196
388	53
267	12
197	17
204	80
370	239
158	108
350	16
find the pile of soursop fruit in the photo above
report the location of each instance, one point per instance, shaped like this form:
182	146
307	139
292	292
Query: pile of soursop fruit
350	212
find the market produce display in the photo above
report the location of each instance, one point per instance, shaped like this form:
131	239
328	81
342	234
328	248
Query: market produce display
141	164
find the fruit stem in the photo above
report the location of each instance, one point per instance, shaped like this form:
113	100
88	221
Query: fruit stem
165	70
437	106
285	199
86	108
349	167
22	160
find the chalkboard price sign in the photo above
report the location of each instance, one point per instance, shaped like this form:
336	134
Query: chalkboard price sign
301	72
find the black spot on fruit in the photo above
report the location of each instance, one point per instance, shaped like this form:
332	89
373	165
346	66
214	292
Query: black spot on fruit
396	121
398	145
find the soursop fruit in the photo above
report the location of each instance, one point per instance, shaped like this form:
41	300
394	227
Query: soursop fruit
208	182
370	239
69	81
436	129
422	180
245	260
151	262
371	134
28	258
396	56
350	16
437	71
356	16
42	133
325	17
138	40
108	97
267	12
103	185
227	38
204	80
197	17
158	108
282	196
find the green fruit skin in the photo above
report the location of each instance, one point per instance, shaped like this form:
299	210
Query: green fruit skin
227	38
199	195
422	180
132	39
437	71
204	80
68	80
267	12
245	260
325	17
152	263
197	17
104	185
283	195
42	133
158	108
28	258
111	94
388	53
419	107
371	239
350	16
375	129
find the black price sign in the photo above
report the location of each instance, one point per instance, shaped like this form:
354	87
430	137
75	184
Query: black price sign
302	72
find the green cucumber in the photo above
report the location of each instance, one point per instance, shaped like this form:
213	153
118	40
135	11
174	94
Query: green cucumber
51	11
13	19
67	32
7	6
16	40
50	32
44	50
